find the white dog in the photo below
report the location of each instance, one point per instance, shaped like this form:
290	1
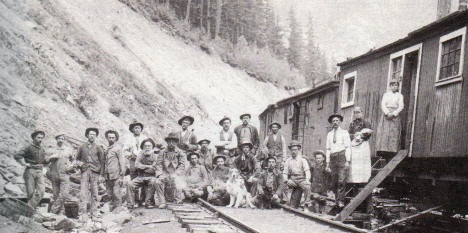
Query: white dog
237	191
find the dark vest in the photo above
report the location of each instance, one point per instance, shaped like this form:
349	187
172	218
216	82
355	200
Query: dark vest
275	147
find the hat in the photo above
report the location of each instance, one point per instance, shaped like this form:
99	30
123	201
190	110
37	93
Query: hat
223	119
246	143
275	123
145	141
245	114
270	157
294	143
330	118
91	129
58	135
319	152
132	125
219	156
394	80
190	118
189	155
114	132
172	136
204	140
35	133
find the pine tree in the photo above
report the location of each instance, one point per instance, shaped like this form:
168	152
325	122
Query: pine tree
311	67
295	41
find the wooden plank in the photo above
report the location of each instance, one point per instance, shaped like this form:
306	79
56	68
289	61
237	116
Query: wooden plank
407	218
355	202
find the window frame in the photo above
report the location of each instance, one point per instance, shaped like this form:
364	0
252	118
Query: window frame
458	77
344	90
320	102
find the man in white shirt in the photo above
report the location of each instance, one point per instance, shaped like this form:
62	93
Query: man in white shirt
226	140
296	172
338	155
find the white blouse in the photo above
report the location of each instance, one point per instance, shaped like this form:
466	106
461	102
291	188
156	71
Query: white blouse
392	100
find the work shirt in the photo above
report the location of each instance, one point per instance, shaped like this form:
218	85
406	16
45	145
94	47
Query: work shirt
245	164
58	167
270	179
187	140
146	164
114	161
275	144
392	102
206	159
196	175
247	133
220	174
92	156
337	141
132	146
226	139
169	162
296	167
357	125
319	178
33	155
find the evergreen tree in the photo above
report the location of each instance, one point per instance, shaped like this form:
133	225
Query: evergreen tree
295	41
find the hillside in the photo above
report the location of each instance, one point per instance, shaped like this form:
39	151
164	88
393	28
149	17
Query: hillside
66	65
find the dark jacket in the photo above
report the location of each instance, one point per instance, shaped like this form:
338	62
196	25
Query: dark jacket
254	139
92	157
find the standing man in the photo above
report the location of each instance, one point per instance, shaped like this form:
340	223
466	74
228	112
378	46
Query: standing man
296	172
91	160
226	142
131	151
60	161
170	166
206	155
338	155
196	177
187	139
245	163
247	133
275	145
217	194
358	122
34	158
115	168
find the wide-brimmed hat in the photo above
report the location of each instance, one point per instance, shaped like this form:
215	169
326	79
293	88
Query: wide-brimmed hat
58	135
223	119
147	140
204	140
294	143
91	129
245	114
270	157
219	156
246	143
275	123
190	118
171	136
132	125
394	80
189	155
36	132
330	118
114	132
319	152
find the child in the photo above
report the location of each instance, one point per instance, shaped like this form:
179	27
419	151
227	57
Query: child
319	182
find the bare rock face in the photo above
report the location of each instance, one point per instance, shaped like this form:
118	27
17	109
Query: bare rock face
13	190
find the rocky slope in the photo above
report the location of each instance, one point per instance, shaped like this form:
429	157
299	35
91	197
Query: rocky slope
66	65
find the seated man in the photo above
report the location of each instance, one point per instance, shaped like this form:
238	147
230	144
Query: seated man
145	165
296	173
206	155
196	177
245	163
217	194
270	185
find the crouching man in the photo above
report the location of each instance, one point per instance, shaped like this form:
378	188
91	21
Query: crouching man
196	177
145	165
170	166
270	185
217	194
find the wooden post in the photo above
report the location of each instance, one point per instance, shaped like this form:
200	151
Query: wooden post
356	201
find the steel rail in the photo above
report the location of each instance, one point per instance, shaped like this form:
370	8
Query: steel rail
237	223
332	223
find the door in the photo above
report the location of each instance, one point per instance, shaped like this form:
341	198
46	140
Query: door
296	118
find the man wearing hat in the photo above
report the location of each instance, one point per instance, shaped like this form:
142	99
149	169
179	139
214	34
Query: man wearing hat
226	141
275	144
60	163
296	172
247	132
91	160
196	177
187	139
146	168
338	155
34	158
114	170
170	166
217	194
206	155
270	185
245	163
319	181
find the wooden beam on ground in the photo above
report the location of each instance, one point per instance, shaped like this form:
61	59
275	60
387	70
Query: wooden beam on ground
356	201
408	218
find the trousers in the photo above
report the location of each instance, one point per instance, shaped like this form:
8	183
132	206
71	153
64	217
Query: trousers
338	174
145	183
35	186
89	191
60	192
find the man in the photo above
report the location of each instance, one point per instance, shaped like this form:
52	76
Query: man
358	122
91	160
226	142
270	185
34	158
196	177
296	172
114	170
275	145
217	194
131	151
170	166
60	163
206	155
338	155
245	163
146	168
247	132
187	139
319	182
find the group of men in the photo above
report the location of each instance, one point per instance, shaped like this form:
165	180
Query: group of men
186	168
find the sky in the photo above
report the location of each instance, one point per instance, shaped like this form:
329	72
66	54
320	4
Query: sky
348	28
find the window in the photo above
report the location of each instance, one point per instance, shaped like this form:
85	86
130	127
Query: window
320	102
450	59
348	90
396	67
